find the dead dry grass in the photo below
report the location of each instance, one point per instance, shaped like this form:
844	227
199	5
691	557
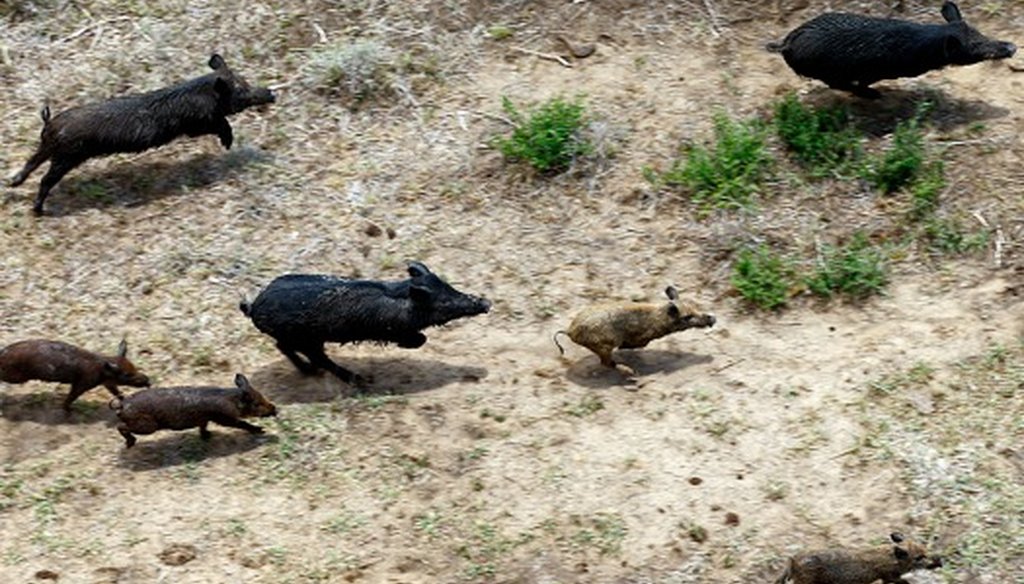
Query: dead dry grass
482	456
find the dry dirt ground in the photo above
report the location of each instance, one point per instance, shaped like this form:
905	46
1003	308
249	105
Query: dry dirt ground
483	456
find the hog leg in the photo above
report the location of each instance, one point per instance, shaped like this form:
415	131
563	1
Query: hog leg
203	432
320	359
223	131
33	163
411	340
305	367
77	389
113	389
58	168
129	440
237	423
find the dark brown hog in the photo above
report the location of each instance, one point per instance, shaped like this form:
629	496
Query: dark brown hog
602	328
45	360
135	123
886	563
181	408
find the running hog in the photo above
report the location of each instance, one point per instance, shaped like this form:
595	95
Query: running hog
850	51
58	361
302	312
180	408
887	563
631	325
135	123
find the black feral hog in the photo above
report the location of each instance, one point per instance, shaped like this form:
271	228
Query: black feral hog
887	563
58	361
181	408
302	312
602	328
139	122
851	51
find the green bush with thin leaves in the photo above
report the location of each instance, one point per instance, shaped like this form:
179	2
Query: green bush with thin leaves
549	138
821	139
727	174
857	269
762	277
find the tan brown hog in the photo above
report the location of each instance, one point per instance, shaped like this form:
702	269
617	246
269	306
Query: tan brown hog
886	563
180	408
59	361
602	328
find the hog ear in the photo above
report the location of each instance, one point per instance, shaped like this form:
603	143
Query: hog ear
672	293
900	553
111	369
217	62
122	348
418	270
896	537
420	294
241	382
673	311
951	13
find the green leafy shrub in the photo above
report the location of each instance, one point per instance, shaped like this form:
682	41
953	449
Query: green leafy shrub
549	138
901	164
762	277
948	236
822	140
729	173
925	191
856	269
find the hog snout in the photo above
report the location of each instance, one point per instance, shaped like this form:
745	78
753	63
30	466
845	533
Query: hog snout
485	305
935	563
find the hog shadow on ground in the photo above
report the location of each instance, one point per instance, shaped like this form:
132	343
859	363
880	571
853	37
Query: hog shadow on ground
281	383
167	449
134	183
46	407
589	372
879	117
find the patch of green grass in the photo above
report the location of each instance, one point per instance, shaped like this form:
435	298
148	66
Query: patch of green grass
549	137
857	269
822	140
949	236
727	174
762	277
925	191
604	531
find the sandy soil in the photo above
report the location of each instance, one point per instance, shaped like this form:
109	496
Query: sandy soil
485	456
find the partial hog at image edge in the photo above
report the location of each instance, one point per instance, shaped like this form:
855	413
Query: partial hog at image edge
603	328
886	563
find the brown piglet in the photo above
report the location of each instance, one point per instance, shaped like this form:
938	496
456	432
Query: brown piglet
886	563
602	328
180	408
45	360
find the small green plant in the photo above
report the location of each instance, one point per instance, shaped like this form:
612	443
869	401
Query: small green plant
925	191
822	140
762	277
728	174
549	138
856	269
902	162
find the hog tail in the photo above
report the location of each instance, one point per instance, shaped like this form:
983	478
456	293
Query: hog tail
45	113
554	337
775	46
786	574
245	307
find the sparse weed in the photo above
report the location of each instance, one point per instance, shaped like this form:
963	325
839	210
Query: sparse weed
856	269
728	174
763	278
949	236
357	70
822	140
925	191
588	404
549	138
